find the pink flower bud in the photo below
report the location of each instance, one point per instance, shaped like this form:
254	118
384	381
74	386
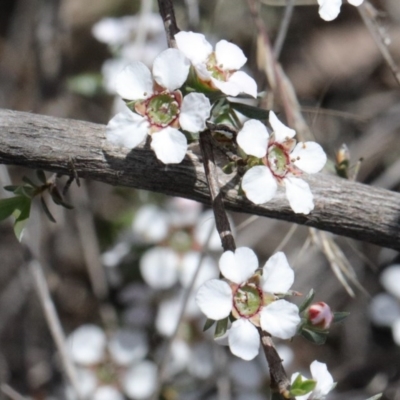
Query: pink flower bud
320	315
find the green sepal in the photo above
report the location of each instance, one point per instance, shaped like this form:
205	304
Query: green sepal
11	188
340	316
314	336
229	168
208	324
221	328
250	111
301	387
307	301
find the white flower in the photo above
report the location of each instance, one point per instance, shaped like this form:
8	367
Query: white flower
140	381
283	161
390	280
159	107
330	9
219	68
251	299
321	375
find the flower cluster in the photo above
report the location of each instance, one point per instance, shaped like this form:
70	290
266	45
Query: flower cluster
253	298
282	162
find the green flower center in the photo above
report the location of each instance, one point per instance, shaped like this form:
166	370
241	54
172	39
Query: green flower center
278	160
162	109
216	71
248	300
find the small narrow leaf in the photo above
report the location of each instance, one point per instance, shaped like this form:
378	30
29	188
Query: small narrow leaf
209	323
314	337
340	316
29	182
46	210
11	188
250	111
307	301
221	327
21	215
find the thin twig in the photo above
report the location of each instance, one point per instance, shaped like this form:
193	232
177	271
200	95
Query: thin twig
283	28
367	13
167	13
211	171
12	393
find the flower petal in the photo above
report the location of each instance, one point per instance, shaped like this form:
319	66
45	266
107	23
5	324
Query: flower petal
170	69
278	276
195	110
355	2
299	195
189	264
107	392
194	46
170	145
204	225
259	184
281	131
243	339
214	299
309	157
134	82
320	373
151	224
280	319
229	56
329	9
127	129
253	138
227	87
140	381
390	280
159	267
238	266
245	83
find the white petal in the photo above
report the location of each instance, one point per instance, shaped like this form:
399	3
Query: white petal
202	230
309	156
280	319
244	340
127	346
110	31
170	69
239	266
390	279
86	382
134	82
320	373
159	267
140	381
355	2
127	129
231	88
170	145
168	314
329	9
151	224
202	72
384	310
229	56
259	184
245	83
195	111
194	46
86	344
183	212
299	195
215	299
396	332
107	393
190	262
281	131
253	138
278	276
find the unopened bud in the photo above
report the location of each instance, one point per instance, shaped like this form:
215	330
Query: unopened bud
320	315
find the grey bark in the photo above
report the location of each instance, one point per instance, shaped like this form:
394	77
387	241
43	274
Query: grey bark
346	208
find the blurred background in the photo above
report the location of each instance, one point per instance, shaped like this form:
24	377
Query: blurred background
118	263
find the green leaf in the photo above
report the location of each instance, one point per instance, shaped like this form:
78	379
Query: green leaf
340	316
250	111
221	328
307	301
313	336
11	188
21	214
41	176
8	206
46	210
209	323
87	84
301	387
